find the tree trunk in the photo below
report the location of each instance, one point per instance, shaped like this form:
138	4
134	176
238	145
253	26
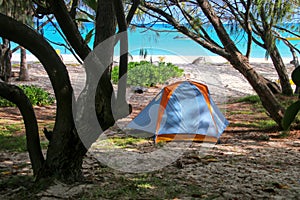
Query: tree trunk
17	96
281	71
23	75
96	103
93	108
275	89
258	83
122	108
65	150
5	61
105	29
241	63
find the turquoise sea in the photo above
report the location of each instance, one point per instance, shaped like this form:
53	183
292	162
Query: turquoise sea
167	43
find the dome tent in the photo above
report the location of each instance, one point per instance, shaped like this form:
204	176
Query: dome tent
183	111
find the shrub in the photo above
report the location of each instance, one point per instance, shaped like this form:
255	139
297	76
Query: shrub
249	99
292	111
36	95
147	74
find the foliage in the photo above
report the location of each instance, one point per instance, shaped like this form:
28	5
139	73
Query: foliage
19	10
263	124
268	15
249	99
10	142
273	11
296	75
124	142
292	111
290	114
147	74
36	95
92	4
12	135
284	134
12	139
87	13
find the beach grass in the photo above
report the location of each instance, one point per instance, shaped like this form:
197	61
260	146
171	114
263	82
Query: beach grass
124	142
253	99
13	139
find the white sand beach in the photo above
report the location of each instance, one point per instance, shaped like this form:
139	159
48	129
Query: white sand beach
222	79
178	59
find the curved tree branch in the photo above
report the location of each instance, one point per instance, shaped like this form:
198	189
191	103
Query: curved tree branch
17	96
216	22
69	28
249	28
132	10
64	129
170	20
287	30
69	46
73	9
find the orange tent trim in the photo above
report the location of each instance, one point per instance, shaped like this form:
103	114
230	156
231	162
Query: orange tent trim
164	101
185	137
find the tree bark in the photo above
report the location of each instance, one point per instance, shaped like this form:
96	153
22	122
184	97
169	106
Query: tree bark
266	35
241	63
281	71
208	44
122	108
5	61
69	28
23	75
134	7
105	28
17	96
98	99
65	150
258	83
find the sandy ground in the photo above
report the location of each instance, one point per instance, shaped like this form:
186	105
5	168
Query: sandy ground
244	166
223	81
221	78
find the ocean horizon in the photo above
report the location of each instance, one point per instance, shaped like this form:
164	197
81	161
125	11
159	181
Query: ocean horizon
165	43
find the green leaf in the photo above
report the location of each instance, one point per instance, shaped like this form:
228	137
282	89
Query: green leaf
146	74
296	76
88	36
290	115
1	2
36	95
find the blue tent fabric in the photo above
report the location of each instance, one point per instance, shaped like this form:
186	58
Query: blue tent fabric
182	108
147	119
